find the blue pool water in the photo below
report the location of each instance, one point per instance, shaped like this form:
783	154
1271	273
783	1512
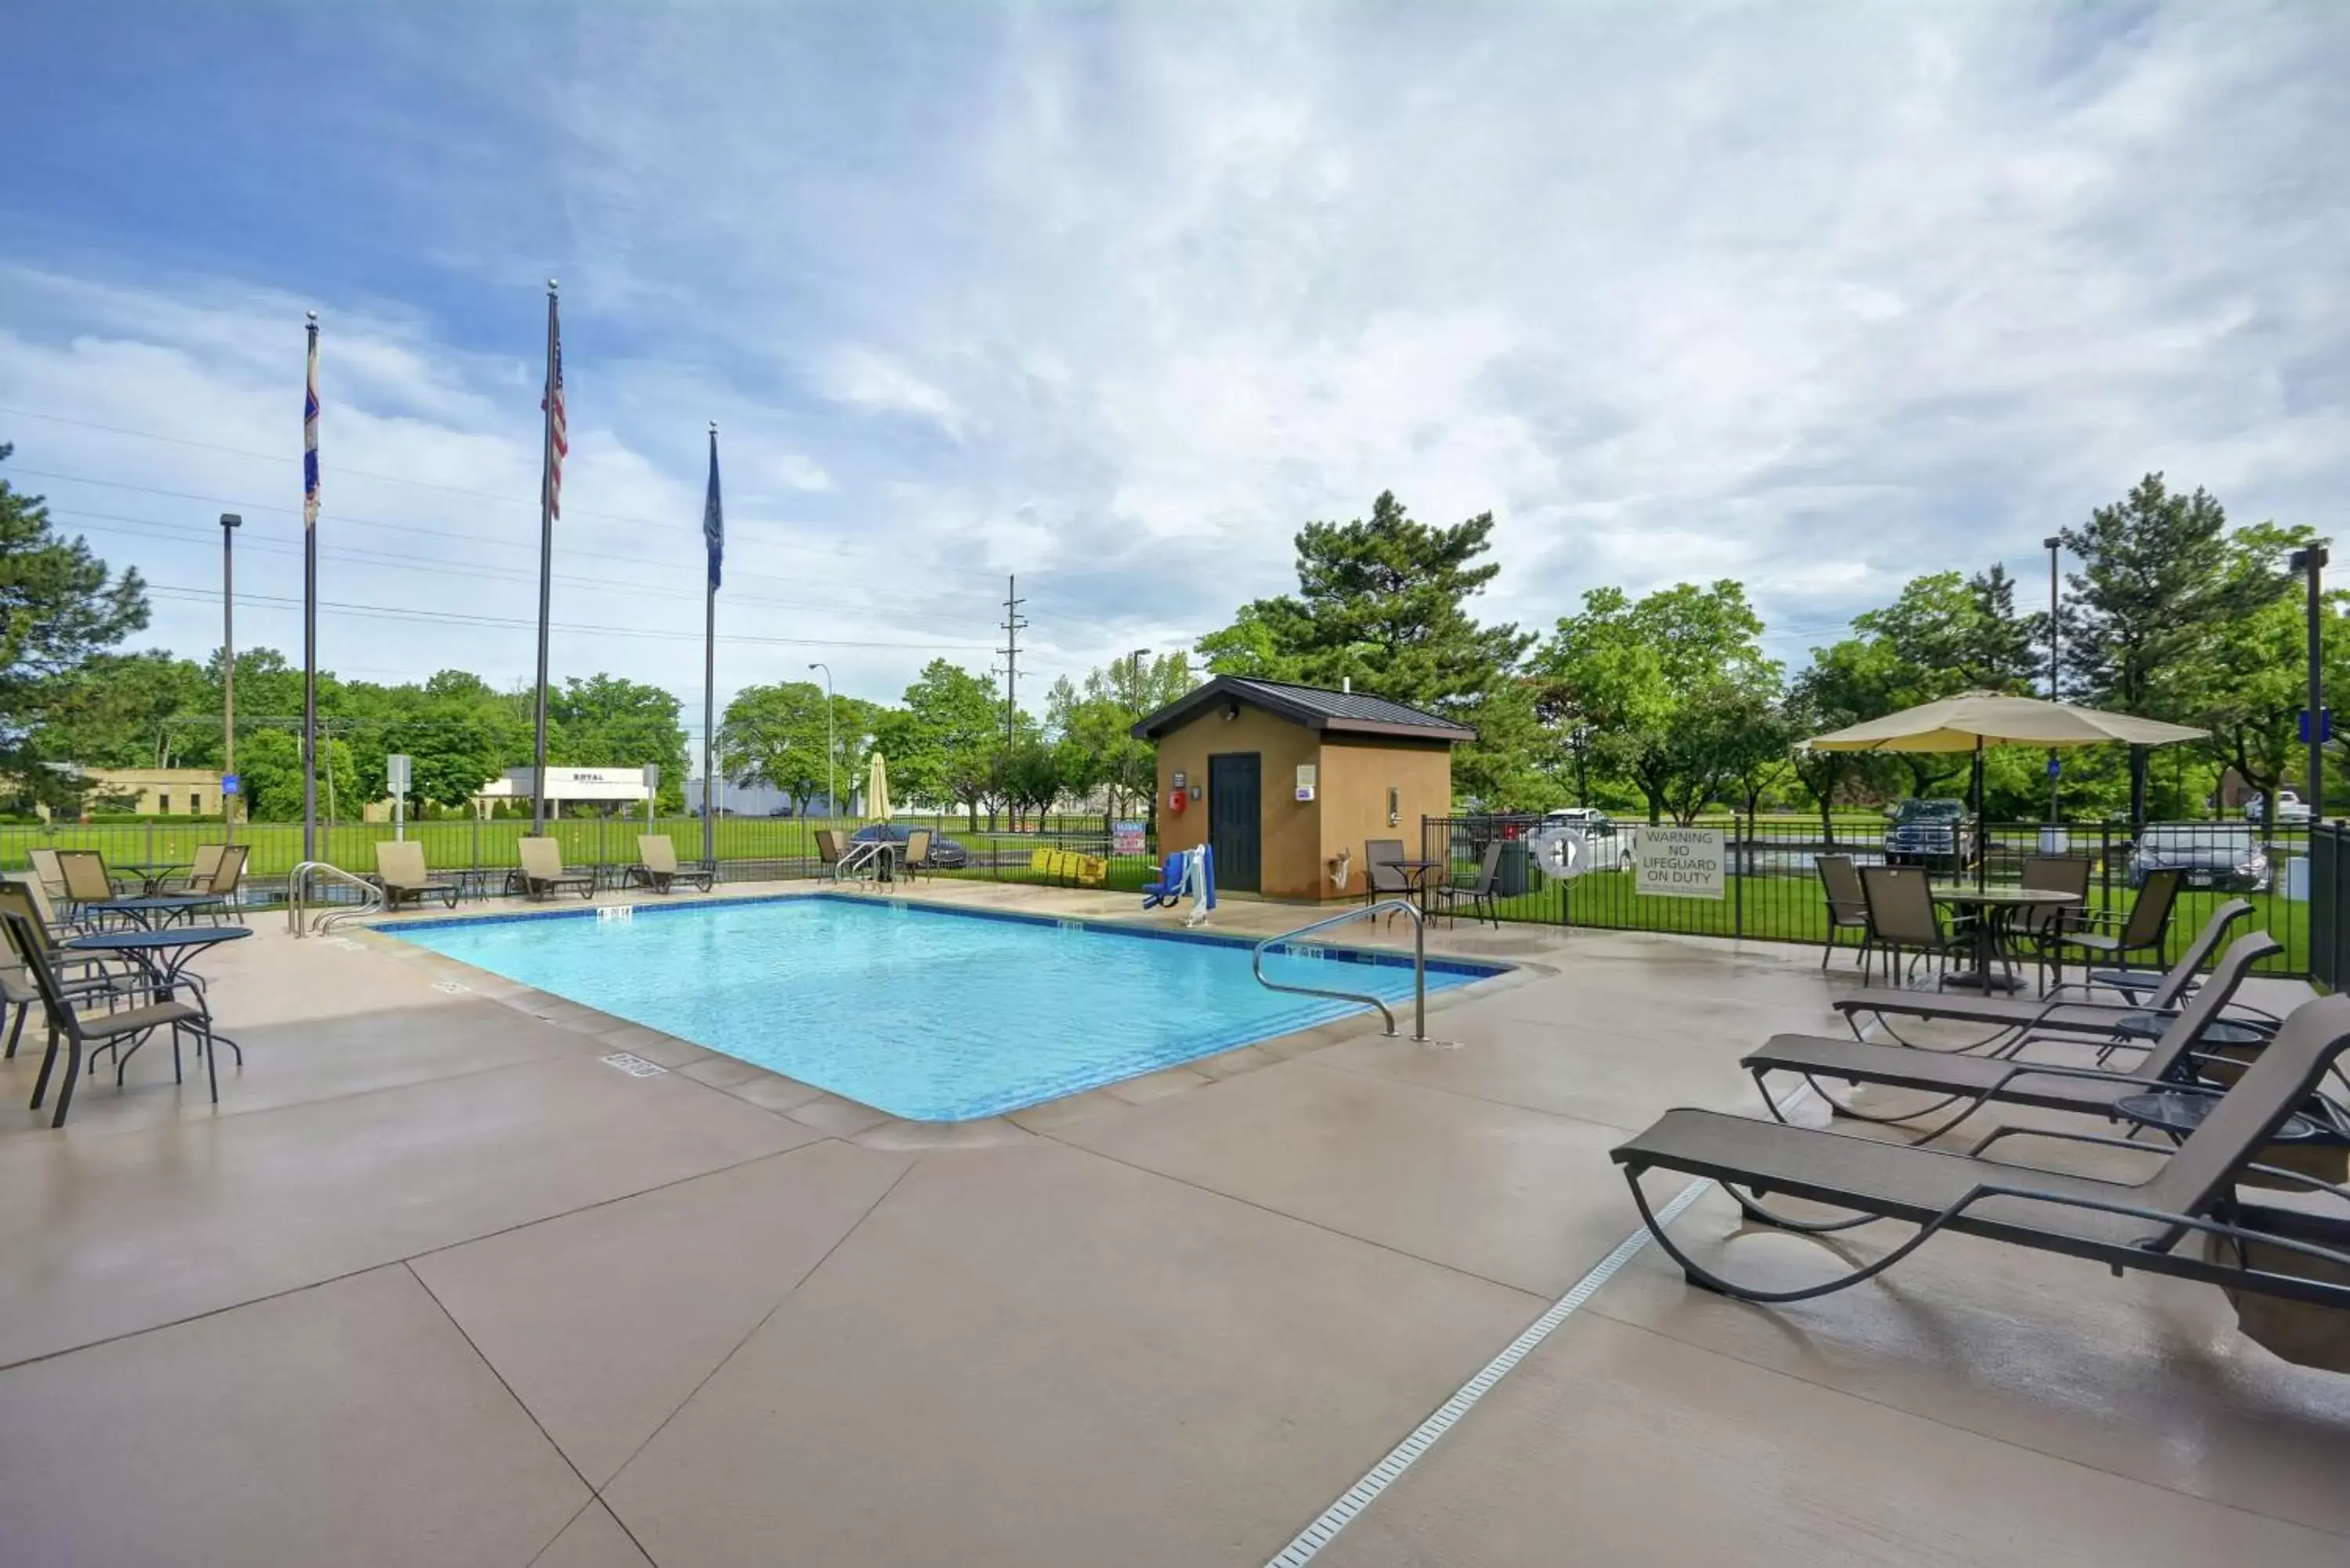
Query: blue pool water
931	1015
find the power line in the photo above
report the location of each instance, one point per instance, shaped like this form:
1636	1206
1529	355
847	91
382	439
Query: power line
111	523
453	618
341	519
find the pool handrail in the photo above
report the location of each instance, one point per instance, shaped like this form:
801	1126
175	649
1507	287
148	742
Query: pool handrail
1419	963
297	902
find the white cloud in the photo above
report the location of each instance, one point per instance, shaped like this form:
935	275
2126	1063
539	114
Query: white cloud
1117	297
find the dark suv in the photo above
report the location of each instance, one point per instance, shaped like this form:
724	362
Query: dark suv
1938	834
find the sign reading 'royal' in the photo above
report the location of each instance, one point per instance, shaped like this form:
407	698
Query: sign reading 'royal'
1680	863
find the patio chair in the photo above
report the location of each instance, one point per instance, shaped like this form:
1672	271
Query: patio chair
917	859
221	889
2054	1012
827	853
400	872
2124	1225
1383	874
2041	926
2143	930
50	872
1902	913
542	869
1972	1082
86	878
2133	984
657	866
202	865
1477	889
1848	905
81	1033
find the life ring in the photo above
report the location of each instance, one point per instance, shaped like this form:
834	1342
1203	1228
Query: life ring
1562	853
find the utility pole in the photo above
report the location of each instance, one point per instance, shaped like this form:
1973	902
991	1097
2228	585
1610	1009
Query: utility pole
230	523
831	806
1014	623
2055	543
2312	562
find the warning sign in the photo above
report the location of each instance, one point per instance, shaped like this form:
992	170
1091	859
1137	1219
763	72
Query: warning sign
1680	863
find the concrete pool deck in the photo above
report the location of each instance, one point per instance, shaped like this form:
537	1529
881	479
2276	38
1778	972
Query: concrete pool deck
436	1284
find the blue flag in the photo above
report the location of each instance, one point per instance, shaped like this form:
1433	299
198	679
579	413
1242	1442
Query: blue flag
713	517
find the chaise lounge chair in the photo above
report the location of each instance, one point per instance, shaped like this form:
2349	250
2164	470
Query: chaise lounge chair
657	866
1972	1082
2011	1015
541	870
2124	1225
400	872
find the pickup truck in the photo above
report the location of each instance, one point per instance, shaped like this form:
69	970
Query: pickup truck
1938	834
2291	811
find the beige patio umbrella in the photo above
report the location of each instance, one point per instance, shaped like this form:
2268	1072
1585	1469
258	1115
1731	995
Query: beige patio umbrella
1974	719
1979	719
877	789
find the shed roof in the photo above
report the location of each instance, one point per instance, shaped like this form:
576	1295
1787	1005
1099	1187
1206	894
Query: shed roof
1316	707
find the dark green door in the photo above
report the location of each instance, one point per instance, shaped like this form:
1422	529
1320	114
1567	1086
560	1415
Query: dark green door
1235	813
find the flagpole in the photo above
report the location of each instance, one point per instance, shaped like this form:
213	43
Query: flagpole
710	664
310	596
546	571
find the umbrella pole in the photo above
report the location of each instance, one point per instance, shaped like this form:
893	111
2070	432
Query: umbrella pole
1982	829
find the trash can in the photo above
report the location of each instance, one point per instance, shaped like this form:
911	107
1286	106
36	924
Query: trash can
1515	873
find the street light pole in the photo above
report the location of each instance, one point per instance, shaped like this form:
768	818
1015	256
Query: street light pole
230	523
831	804
2312	562
2054	543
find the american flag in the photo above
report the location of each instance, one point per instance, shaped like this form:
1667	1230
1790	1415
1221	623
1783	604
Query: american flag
310	436
558	444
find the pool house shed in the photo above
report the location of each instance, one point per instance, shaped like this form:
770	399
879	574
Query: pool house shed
1288	783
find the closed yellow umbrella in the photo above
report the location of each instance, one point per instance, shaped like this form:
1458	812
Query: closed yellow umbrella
877	789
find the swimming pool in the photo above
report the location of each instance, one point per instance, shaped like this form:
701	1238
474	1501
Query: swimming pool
928	1013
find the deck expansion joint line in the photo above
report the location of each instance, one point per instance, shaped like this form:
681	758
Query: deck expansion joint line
1310	1540
1390	1470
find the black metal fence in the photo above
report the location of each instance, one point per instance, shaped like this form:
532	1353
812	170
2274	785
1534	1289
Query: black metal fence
1768	885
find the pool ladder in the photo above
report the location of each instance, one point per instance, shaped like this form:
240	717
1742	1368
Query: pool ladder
1419	963
297	898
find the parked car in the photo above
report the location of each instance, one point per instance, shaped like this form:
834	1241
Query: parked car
1939	835
2291	811
2215	855
1609	842
945	853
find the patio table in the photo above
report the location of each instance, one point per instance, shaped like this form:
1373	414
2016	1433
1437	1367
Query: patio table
1995	911
1416	872
164	956
153	873
152	911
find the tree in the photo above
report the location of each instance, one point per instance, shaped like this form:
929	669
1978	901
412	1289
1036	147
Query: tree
1381	603
1661	685
607	721
2157	581
1030	778
2250	683
1247	647
943	744
776	736
59	608
1094	726
1844	685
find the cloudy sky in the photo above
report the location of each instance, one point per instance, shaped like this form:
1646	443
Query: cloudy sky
1816	294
